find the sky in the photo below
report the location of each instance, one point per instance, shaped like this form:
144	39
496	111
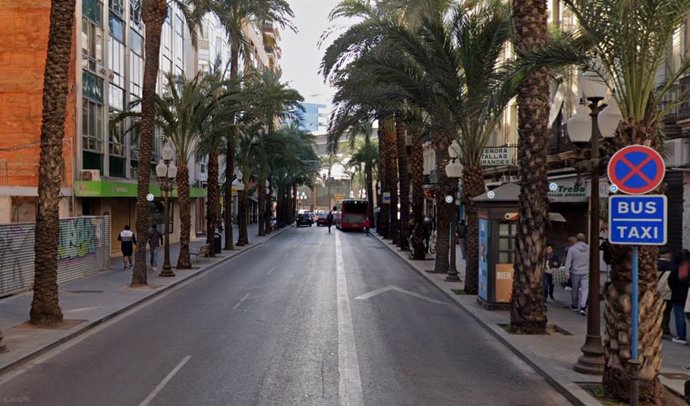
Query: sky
301	54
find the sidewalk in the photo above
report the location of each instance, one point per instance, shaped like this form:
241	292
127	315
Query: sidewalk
90	301
551	355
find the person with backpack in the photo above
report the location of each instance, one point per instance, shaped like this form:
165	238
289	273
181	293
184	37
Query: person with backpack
678	281
329	220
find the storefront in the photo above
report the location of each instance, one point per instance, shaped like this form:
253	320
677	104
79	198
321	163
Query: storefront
118	200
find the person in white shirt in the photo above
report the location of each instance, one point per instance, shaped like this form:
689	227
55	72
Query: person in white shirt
127	241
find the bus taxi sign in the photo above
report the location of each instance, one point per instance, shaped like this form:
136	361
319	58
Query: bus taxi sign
638	220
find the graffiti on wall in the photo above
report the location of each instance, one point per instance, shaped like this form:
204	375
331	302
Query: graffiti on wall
79	237
16	270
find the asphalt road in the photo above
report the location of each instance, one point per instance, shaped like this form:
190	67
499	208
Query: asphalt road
307	318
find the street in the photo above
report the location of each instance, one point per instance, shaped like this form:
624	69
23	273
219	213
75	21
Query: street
308	318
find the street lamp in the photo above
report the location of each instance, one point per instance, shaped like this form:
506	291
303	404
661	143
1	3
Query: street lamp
453	171
166	172
588	129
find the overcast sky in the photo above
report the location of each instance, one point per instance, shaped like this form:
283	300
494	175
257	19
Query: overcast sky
301	54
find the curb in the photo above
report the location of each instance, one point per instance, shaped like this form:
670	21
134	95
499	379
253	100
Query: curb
570	390
91	325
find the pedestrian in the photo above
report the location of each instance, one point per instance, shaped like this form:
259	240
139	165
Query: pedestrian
329	220
127	241
428	229
577	266
367	225
665	265
551	263
462	237
678	282
155	241
572	240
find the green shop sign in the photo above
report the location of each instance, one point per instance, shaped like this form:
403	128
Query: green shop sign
123	189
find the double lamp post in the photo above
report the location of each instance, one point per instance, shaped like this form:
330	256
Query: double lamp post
166	172
602	120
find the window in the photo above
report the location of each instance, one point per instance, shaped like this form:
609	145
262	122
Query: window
116	147
179	38
117	7
117	28
116	61
136	72
91	45
92	125
136	42
506	242
93	10
116	97
92	86
135	11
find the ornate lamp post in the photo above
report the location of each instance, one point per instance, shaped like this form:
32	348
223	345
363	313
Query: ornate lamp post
166	172
453	171
583	129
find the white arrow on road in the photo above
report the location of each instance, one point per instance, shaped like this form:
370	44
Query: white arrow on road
389	287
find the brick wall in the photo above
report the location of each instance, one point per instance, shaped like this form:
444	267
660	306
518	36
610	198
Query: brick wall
24	31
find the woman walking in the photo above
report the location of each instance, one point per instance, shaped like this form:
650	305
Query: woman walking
678	282
127	241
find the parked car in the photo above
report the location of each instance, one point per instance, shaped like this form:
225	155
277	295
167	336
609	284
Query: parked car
304	219
320	218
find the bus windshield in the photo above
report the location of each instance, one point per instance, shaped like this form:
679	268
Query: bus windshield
355	207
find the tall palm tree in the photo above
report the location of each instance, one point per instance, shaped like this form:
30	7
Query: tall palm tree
627	53
153	15
235	15
45	309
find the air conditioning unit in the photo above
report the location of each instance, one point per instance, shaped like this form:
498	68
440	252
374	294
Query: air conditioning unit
88	175
677	152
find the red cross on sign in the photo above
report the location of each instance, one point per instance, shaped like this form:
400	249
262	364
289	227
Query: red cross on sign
636	169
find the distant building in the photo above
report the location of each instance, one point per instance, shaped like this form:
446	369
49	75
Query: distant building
314	118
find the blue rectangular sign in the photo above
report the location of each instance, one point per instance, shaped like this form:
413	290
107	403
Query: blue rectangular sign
637	220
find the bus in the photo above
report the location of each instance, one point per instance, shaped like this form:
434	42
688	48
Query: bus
351	214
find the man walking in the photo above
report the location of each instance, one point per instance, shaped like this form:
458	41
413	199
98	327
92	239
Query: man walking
577	265
155	241
329	220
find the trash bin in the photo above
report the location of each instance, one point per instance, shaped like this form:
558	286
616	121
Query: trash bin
217	243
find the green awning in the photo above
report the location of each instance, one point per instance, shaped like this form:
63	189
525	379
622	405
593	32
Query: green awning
108	188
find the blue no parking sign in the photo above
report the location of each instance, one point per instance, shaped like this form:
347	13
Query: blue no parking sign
637	220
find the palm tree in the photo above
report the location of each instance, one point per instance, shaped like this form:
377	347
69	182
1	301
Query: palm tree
626	53
235	15
45	309
153	15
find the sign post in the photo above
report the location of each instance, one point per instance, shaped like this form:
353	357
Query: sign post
636	220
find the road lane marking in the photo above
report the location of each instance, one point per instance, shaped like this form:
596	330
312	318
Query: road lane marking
241	301
271	271
389	287
164	382
349	380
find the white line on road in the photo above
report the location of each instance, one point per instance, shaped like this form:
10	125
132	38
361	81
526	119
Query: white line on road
164	382
349	380
240	302
270	271
389	287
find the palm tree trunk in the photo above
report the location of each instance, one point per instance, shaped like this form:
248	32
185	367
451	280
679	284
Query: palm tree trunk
212	200
444	211
153	16
528	312
384	213
473	186
404	177
417	164
617	313
45	309
369	180
227	200
184	260
261	204
243	196
392	175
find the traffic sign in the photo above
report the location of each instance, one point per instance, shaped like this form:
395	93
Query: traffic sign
636	169
637	220
386	198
